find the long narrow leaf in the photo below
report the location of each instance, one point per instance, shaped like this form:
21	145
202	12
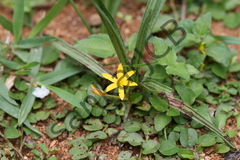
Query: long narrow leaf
79	56
6	24
26	106
149	19
4	93
34	42
112	31
48	18
228	39
18	20
83	107
56	76
14	111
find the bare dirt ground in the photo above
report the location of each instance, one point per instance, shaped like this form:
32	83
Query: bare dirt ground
69	27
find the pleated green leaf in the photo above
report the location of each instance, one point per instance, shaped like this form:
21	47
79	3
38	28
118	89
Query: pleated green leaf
34	42
112	31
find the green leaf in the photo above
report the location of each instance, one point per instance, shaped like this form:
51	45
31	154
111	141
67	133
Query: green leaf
53	130
222	148
206	140
195	58
201	26
84	109
93	125
99	45
4	93
35	56
161	120
168	147
41	115
134	139
29	65
187	153
178	69
174	136
79	56
219	70
112	31
26	106
57	76
97	135
13	111
149	19
71	122
161	20
231	20
11	133
10	64
43	147
158	103
228	39
150	146
18	20
6	23
48	18
221	119
136	97
109	118
186	94
188	137
132	126
50	54
34	42
220	53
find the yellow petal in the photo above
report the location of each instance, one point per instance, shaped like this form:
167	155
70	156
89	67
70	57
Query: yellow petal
97	91
129	83
111	87
121	92
120	71
127	75
109	77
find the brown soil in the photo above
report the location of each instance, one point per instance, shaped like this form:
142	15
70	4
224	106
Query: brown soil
69	27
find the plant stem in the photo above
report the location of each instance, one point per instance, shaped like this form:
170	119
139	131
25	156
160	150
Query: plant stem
81	16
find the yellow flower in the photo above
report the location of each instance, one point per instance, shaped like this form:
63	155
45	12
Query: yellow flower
97	91
202	47
120	81
201	68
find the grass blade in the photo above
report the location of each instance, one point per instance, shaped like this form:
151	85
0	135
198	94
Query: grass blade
26	106
13	111
79	56
34	42
18	20
56	76
48	18
4	93
149	19
81	17
112	31
6	23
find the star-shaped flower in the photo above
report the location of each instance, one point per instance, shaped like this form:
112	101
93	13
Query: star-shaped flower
120	81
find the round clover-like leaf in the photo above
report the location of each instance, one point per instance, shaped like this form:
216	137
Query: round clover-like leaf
134	139
206	140
132	126
150	147
97	135
168	147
